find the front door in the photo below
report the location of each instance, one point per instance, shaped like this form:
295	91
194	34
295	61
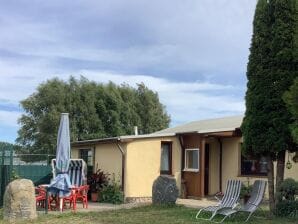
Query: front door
192	170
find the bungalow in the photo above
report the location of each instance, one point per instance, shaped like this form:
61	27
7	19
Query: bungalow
201	155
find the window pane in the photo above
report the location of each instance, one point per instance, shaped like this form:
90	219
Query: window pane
86	155
165	154
254	166
192	157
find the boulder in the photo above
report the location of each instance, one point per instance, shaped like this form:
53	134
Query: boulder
19	200
164	190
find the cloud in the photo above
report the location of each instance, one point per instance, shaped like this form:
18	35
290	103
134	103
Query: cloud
193	53
201	40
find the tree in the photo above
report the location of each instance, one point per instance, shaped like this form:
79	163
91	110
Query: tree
151	111
271	69
96	111
291	99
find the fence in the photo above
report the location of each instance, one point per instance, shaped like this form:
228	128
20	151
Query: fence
35	167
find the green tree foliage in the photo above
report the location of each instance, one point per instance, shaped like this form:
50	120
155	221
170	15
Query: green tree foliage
271	69
291	99
96	111
4	145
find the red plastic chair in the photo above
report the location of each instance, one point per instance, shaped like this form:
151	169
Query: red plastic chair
71	199
40	197
82	195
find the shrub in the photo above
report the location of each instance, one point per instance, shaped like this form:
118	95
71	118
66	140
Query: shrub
97	181
287	205
287	209
287	190
112	193
245	191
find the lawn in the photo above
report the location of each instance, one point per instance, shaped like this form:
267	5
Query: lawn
143	215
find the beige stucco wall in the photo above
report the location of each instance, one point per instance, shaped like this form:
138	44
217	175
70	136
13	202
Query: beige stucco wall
231	164
143	165
293	172
109	159
75	153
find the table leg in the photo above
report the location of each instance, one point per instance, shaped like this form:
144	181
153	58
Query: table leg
46	202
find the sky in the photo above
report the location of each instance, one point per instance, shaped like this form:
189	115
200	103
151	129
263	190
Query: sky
193	53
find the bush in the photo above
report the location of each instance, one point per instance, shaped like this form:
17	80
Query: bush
97	181
287	205
112	193
287	209
245	191
287	190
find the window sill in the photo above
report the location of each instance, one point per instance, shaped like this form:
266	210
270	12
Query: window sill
253	176
191	170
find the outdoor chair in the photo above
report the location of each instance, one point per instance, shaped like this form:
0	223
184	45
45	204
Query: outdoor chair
40	197
229	200
257	195
82	195
77	171
71	199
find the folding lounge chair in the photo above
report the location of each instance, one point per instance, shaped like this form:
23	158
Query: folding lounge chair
252	204
229	200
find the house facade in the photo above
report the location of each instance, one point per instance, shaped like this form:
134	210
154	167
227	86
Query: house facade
201	155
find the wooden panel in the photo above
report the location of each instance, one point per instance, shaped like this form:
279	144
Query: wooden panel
193	183
194	180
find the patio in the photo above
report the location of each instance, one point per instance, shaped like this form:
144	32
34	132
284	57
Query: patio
100	207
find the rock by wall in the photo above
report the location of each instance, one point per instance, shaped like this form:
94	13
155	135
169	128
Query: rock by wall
19	200
164	190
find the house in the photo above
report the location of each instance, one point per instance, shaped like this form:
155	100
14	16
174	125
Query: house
201	155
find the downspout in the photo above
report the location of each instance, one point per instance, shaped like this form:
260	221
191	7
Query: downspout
220	164
123	165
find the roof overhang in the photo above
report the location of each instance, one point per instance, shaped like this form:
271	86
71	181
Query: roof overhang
215	133
123	139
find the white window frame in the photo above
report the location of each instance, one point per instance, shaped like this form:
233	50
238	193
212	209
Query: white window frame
185	160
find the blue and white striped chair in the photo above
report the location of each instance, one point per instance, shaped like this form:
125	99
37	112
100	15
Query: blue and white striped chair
253	203
229	200
77	171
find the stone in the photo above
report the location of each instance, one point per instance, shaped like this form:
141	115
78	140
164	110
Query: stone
164	190
19	201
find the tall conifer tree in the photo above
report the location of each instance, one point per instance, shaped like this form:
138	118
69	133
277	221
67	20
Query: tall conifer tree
271	70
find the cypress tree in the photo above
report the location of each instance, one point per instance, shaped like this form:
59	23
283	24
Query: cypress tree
271	69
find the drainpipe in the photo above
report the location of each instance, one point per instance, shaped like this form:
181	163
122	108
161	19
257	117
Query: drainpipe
123	165
220	164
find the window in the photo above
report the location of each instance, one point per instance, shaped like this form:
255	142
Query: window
255	166
166	158
86	155
192	160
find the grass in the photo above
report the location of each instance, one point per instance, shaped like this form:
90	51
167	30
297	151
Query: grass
142	215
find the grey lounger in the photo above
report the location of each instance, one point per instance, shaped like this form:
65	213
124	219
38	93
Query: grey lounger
229	200
252	204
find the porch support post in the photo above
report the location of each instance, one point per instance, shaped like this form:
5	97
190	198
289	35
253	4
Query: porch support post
123	166
202	164
220	164
182	153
